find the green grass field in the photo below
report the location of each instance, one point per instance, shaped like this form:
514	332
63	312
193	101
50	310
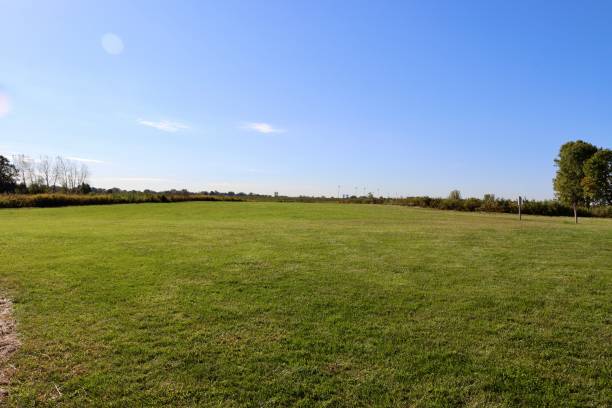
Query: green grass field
270	304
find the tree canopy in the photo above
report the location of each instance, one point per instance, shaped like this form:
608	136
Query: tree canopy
8	176
583	174
597	180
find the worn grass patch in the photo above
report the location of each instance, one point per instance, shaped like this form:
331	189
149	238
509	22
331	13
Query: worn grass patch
270	304
9	343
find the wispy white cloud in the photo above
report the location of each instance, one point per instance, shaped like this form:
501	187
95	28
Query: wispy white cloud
5	104
142	179
256	171
7	153
20	156
262	127
32	159
165	125
80	159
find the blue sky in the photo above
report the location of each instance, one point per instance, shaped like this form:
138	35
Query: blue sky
402	98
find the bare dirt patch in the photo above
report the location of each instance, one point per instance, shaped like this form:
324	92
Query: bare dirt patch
9	343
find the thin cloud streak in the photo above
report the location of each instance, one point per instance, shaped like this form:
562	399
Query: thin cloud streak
144	179
164	125
5	104
80	159
262	127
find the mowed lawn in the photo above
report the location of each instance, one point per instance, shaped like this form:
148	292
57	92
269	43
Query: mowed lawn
272	304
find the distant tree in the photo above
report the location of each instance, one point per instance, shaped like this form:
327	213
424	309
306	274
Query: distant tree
489	197
45	170
85	188
69	174
38	176
82	175
570	173
8	176
23	164
57	172
455	195
597	181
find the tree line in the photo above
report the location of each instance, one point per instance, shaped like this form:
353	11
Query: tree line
25	175
582	185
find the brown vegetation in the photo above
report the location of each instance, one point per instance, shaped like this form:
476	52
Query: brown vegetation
9	343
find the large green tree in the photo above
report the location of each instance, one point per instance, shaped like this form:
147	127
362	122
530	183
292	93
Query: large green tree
568	182
8	176
597	180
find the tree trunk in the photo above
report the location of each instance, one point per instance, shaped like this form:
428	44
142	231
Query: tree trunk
575	214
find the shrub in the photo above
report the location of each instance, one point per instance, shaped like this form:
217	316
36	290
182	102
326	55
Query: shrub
501	205
62	200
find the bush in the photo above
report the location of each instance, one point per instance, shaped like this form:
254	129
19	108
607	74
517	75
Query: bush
489	204
471	204
501	205
62	200
602	211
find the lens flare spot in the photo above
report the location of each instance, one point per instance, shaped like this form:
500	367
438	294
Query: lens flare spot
112	43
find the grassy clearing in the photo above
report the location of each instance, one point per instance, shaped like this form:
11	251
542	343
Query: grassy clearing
313	304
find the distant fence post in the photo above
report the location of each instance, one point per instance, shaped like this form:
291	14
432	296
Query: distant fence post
520	203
